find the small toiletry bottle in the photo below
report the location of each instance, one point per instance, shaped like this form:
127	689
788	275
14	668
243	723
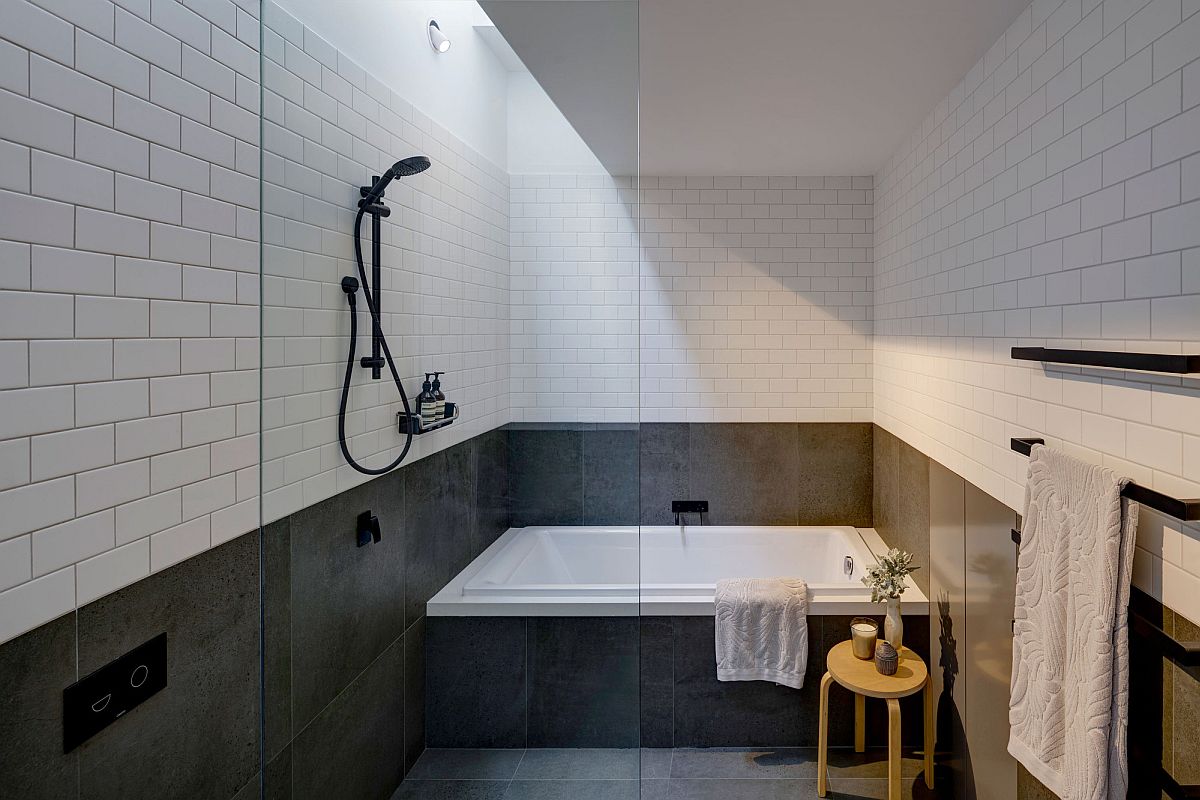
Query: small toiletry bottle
438	397
427	403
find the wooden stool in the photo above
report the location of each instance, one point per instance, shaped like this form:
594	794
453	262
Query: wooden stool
860	677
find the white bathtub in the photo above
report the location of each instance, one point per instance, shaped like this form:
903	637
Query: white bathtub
652	570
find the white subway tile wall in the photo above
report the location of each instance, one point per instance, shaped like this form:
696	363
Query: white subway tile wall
746	299
1054	198
128	292
328	128
756	299
574	298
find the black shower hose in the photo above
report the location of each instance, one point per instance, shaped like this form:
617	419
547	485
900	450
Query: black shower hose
350	287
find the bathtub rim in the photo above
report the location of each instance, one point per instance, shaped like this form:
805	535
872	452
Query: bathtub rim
451	601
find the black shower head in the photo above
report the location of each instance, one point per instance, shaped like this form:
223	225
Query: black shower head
404	168
409	166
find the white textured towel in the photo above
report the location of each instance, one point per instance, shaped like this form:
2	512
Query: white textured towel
1069	701
762	630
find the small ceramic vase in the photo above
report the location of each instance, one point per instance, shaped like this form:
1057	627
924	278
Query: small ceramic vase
893	624
886	658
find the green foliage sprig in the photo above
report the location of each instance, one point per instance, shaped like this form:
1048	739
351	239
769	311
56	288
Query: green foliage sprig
886	579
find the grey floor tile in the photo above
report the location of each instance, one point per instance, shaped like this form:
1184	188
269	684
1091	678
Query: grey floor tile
656	762
656	789
741	789
745	763
463	764
573	790
450	790
579	764
875	789
845	763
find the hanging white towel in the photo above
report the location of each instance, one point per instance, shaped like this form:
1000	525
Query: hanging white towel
1069	702
762	630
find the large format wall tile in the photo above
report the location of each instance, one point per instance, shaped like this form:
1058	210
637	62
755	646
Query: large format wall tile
748	472
475	681
901	500
1185	710
277	635
610	476
439	519
346	601
199	736
657	681
355	747
834	481
414	693
546	475
583	682
492	509
711	713
34	669
663	461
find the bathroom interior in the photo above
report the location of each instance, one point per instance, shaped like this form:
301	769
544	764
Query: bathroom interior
599	399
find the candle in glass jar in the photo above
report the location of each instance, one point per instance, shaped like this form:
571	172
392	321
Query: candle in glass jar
863	633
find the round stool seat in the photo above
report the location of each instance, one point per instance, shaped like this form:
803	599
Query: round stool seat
861	677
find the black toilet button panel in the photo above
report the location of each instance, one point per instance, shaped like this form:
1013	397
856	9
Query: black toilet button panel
101	698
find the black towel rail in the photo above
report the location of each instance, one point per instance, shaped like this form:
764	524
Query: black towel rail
1110	359
1187	510
1185	654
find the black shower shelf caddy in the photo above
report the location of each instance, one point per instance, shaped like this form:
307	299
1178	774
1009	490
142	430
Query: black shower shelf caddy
1185	654
413	421
1110	359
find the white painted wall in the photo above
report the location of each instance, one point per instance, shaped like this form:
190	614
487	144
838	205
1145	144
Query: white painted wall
540	139
464	90
1054	198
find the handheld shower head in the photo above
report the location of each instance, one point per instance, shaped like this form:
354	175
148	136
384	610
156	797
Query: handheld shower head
404	168
407	167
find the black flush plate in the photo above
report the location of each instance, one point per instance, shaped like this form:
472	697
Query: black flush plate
689	506
98	700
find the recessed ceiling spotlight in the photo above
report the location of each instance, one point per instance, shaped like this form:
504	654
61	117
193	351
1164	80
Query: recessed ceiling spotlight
437	39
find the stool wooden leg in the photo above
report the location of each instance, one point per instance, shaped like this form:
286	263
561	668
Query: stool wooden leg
929	733
860	723
893	748
823	737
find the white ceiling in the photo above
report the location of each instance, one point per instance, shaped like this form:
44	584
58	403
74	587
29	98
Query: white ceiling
749	87
800	87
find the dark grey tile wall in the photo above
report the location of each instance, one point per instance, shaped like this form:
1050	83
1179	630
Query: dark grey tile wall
34	669
196	738
583	682
758	473
345	629
343	649
209	713
900	499
751	473
573	474
514	682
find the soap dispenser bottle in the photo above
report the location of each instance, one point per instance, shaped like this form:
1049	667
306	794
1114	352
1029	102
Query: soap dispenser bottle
427	403
438	397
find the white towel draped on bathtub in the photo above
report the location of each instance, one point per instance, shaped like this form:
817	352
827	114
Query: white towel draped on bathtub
1069	702
762	630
